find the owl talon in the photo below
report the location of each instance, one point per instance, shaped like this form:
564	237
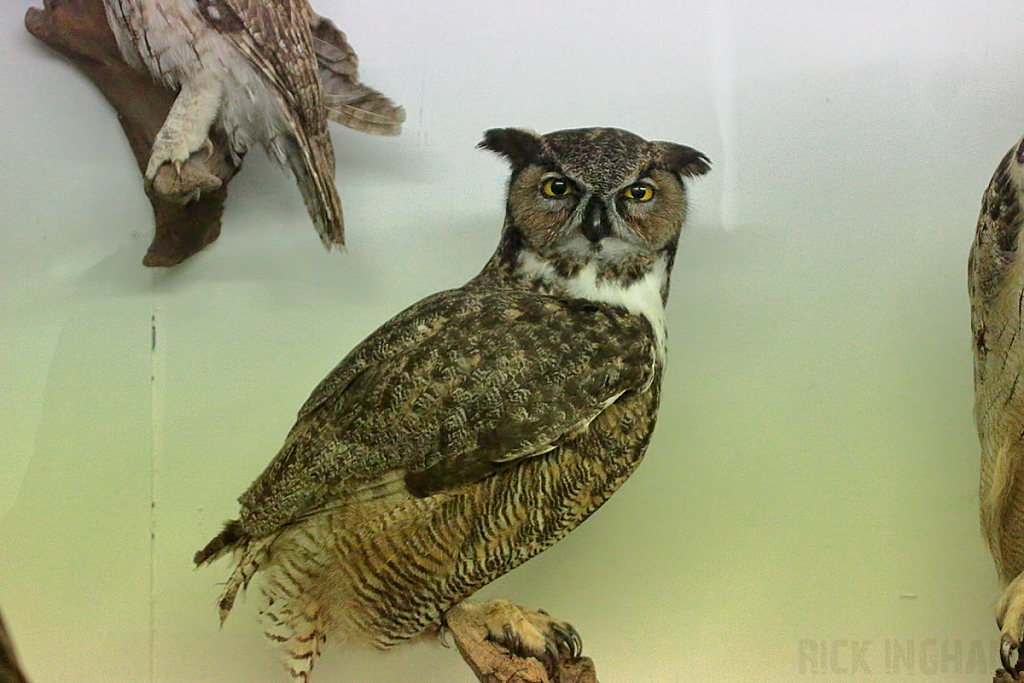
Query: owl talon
551	658
207	149
1010	618
168	151
525	632
442	635
183	182
1006	649
510	638
568	637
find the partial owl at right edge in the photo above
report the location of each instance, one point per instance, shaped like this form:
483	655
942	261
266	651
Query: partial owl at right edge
996	286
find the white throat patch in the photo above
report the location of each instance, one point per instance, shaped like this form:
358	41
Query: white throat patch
642	297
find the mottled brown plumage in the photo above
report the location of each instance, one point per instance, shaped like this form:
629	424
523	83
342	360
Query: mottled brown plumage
996	284
268	72
479	426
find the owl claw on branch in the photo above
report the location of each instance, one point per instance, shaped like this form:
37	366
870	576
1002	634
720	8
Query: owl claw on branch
1012	672
1010	618
505	643
1006	649
185	182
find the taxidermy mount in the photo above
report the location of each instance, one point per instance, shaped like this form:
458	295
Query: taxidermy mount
482	424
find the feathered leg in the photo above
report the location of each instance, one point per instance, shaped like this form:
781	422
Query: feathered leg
187	126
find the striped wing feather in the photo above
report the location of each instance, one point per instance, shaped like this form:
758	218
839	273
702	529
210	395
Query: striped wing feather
447	392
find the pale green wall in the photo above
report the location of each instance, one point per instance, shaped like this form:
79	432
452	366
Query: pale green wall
815	458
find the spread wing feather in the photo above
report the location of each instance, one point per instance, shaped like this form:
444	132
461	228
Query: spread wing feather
448	391
276	37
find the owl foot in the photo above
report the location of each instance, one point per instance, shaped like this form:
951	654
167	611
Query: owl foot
522	632
186	129
174	149
184	182
1011	672
1010	617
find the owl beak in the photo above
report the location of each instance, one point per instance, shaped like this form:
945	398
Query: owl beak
596	225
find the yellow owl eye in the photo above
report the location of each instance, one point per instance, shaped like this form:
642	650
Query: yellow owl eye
557	187
640	192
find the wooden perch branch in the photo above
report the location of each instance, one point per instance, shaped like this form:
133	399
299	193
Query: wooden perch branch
493	663
1014	675
10	671
78	30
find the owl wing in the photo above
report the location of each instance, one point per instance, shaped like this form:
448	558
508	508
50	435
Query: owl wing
446	393
276	37
995	315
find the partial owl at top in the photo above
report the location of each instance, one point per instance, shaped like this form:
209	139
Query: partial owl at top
267	72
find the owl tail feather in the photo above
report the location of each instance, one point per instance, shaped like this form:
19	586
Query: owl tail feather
362	108
348	101
230	537
252	559
311	159
253	555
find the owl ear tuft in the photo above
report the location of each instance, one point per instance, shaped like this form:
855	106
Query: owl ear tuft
682	160
519	146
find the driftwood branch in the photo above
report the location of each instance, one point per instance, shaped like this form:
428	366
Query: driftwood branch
493	663
78	30
10	671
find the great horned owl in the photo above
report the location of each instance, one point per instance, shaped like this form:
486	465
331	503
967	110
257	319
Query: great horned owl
480	425
996	284
251	68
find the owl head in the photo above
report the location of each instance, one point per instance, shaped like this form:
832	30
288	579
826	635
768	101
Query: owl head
600	197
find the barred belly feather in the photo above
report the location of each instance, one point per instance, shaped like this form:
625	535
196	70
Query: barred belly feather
384	572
